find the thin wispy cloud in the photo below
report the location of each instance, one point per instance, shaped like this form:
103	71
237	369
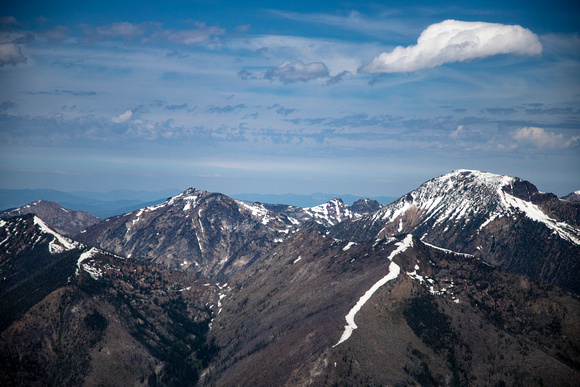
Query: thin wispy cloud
226	108
189	37
386	23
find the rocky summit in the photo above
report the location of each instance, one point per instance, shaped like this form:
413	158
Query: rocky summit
469	280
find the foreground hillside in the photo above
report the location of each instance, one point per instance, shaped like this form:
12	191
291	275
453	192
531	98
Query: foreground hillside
75	315
307	315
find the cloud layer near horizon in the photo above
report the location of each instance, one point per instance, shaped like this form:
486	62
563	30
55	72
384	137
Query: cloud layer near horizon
456	41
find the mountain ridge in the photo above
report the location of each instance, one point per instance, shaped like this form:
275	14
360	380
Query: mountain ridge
489	216
210	232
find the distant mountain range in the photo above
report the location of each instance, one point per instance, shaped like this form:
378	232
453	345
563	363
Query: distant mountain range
470	279
101	205
106	204
306	200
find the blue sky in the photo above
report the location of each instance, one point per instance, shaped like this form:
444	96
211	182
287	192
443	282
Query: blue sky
365	98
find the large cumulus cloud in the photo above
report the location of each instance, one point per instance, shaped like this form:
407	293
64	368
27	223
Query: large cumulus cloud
456	41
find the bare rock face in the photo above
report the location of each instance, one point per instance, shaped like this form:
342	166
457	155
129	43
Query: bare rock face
65	221
504	220
365	206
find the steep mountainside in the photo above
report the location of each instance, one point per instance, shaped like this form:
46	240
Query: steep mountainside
501	219
62	220
33	261
320	311
210	233
75	315
196	231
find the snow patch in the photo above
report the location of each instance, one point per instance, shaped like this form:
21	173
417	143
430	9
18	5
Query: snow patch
257	211
94	272
348	246
446	251
394	270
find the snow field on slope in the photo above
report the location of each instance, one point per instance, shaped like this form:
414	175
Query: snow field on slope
394	271
59	243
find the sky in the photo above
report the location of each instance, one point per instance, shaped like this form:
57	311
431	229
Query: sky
364	98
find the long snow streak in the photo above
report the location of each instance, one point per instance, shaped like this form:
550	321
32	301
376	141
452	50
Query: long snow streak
394	271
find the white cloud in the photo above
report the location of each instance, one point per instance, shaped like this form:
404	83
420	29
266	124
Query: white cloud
123	117
457	132
10	55
10	43
456	41
289	72
539	138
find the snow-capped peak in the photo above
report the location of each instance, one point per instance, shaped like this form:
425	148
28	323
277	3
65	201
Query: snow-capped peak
464	196
331	212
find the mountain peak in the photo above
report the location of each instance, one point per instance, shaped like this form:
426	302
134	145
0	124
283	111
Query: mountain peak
572	197
480	213
365	206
